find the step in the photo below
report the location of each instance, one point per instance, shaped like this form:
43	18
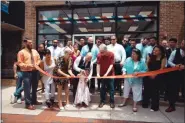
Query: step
95	98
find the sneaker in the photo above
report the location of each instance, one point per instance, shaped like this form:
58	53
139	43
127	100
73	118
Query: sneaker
170	109
121	105
48	103
151	110
19	101
13	99
62	108
154	110
67	106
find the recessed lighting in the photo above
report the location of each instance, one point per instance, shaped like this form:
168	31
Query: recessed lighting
145	12
127	36
83	29
107	29
107	14
133	28
94	30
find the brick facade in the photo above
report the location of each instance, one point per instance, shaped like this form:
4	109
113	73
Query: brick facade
30	17
171	18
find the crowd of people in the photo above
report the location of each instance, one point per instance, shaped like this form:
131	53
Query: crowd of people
104	58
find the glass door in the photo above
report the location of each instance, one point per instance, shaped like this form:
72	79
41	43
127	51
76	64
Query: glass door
76	37
104	37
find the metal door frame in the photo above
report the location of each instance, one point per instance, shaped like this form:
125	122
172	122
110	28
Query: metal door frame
92	35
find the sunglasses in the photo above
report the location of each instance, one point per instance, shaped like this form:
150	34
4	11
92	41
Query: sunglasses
113	39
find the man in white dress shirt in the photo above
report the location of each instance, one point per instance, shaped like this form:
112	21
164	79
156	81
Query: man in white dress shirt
55	50
119	58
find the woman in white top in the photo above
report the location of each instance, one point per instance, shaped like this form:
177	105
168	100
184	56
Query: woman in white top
48	65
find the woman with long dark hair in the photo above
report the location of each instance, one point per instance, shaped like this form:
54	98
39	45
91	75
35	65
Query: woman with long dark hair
155	61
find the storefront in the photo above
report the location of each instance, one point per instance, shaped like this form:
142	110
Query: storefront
77	20
12	28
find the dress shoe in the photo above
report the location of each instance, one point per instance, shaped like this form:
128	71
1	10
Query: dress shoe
112	105
30	107
101	105
170	109
38	103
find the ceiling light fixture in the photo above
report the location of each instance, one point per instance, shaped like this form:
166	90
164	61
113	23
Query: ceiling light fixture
83	29
132	28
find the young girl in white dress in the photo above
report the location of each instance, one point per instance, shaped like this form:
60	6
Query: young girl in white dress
82	94
48	65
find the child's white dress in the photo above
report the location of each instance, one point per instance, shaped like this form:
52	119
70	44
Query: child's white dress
82	93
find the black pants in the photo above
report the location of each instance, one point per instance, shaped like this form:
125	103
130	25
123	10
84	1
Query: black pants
75	85
162	87
151	91
173	86
92	85
117	82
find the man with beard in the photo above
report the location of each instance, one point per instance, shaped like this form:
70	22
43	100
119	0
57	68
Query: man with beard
90	47
142	46
41	51
132	44
176	59
127	47
56	51
82	43
27	58
107	40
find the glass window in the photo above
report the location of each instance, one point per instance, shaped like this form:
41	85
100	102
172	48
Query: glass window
136	36
54	14
142	25
49	38
50	27
96	27
94	13
136	10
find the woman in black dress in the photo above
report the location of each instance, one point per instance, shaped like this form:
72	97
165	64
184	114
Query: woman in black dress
155	61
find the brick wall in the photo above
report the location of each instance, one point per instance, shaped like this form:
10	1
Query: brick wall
172	19
30	17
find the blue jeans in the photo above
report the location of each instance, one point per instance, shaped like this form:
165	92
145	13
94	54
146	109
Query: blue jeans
30	80
110	84
19	86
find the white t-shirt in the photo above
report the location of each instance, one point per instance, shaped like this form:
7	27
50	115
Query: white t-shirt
56	52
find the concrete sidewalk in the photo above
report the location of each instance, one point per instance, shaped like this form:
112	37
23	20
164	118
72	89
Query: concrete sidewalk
93	112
